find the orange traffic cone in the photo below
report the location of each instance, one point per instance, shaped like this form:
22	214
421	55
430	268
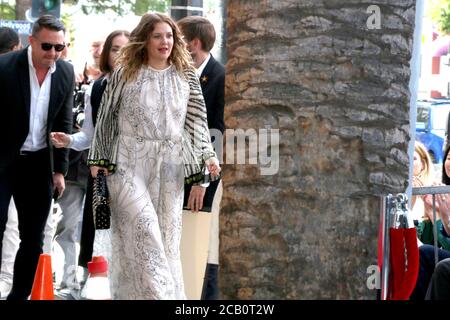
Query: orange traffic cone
43	279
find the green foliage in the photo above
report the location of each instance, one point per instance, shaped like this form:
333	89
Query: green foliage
444	19
434	8
7	11
439	12
143	6
122	7
70	28
101	6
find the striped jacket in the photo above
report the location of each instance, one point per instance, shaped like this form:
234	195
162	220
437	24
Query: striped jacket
196	141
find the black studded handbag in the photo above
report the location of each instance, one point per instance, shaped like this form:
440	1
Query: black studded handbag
100	202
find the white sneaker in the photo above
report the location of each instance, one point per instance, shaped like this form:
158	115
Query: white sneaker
67	294
82	276
75	294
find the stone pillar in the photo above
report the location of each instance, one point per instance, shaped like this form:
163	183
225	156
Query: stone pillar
223	44
332	76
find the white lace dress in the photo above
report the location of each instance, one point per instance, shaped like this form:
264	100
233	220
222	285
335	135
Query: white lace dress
146	191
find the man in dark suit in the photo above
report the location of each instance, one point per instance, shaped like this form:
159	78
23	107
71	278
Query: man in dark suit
439	288
200	36
36	91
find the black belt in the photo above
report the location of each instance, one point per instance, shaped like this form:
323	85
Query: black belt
25	153
31	153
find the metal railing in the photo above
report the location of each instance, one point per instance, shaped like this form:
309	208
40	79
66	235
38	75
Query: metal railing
389	204
433	191
386	207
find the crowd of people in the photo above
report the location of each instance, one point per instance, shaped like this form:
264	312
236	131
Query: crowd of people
140	113
433	280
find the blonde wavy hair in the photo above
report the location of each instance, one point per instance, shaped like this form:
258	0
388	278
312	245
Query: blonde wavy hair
134	54
427	173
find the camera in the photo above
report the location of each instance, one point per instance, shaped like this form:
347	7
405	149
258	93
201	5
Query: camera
78	107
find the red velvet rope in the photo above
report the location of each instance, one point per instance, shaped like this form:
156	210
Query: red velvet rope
412	272
404	260
397	261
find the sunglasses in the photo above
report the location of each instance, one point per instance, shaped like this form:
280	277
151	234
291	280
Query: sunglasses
48	46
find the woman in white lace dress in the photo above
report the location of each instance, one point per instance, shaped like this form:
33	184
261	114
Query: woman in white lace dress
151	137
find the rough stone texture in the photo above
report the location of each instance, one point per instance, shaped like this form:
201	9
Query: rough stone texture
339	94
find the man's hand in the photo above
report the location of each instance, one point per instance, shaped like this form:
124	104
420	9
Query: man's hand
195	201
60	139
213	166
59	183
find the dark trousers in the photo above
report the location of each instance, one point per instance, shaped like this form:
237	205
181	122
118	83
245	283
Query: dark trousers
426	269
87	227
210	289
439	288
29	181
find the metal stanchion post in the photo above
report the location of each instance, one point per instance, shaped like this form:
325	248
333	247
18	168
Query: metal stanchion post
386	207
435	235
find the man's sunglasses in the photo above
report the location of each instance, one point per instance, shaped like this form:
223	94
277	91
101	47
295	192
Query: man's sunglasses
48	46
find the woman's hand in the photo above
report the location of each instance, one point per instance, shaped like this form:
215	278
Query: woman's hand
96	169
60	139
213	166
444	209
428	202
417	182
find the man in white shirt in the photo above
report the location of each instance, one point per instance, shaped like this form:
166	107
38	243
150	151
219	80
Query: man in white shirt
36	90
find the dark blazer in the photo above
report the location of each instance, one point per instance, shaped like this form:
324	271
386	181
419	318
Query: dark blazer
15	108
212	81
98	88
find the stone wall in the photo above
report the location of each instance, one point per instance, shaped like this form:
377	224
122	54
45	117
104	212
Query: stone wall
338	93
